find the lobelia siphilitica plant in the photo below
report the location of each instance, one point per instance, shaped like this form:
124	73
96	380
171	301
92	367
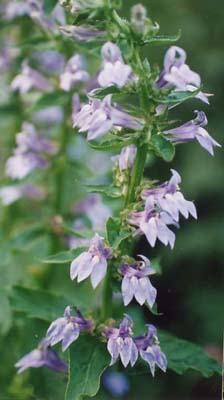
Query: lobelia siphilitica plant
121	107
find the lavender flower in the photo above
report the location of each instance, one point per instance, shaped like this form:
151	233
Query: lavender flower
81	33
149	350
27	155
126	158
75	242
116	383
67	328
178	74
49	116
74	72
30	79
91	263
10	194
43	356
114	70
136	283
49	61
120	343
191	130
167	197
99	117
154	224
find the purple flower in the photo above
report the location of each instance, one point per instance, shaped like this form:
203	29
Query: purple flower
99	117
10	194
30	79
96	211
154	224
91	263
17	9
167	197
126	158
191	130
149	350
81	33
114	70
67	328
136	283
28	153
120	343
50	61
74	73
75	242
176	73
116	383
49	116
43	356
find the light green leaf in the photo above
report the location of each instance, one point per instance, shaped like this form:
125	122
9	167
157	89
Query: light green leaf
64	257
177	97
163	147
108	190
88	358
111	145
162	40
101	93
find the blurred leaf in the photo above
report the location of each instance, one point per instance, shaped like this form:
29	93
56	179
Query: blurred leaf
42	304
64	257
58	98
183	355
49	5
6	314
108	190
162	40
163	147
110	145
84	233
87	361
177	97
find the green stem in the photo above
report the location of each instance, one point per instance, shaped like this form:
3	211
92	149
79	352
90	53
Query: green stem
107	295
137	173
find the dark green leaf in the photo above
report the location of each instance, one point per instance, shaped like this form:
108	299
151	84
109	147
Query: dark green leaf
6	313
101	93
108	190
49	5
183	356
111	145
87	360
177	97
64	257
114	234
162	40
163	147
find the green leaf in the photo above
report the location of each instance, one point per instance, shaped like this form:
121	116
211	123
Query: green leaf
162	40
177	97
114	234
111	145
163	147
84	233
108	190
101	93
155	264
58	98
64	257
6	313
49	5
183	356
87	360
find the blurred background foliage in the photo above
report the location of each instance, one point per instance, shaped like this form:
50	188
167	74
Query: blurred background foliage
190	291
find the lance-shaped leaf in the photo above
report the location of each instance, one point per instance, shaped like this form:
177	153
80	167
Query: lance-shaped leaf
58	98
88	358
116	235
101	93
111	145
176	96
108	190
162	147
64	257
162	40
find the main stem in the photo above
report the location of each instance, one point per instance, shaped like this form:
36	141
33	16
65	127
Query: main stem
107	295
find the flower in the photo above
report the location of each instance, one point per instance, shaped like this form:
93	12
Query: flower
162	207
120	342
83	5
178	74
43	356
116	383
191	130
98	117
114	70
49	61
136	283
167	197
82	33
139	18
10	194
30	79
28	153
74	72
48	116
67	328
91	263
126	158
149	350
